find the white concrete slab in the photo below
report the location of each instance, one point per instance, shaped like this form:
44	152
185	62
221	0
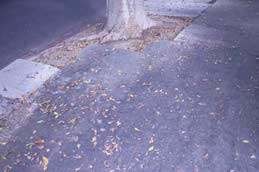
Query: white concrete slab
22	77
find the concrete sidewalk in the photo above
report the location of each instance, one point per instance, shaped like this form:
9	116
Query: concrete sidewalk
187	105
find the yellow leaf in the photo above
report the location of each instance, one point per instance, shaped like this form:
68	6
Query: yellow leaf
45	162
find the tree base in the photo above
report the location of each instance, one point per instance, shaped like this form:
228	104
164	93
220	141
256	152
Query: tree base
114	35
161	27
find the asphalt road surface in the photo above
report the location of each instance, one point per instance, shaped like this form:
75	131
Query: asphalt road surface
31	25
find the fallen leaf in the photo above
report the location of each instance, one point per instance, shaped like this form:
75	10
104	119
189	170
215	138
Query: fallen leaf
39	141
40	147
3	143
75	139
94	140
40	122
245	141
3	156
45	162
253	156
202	104
29	145
87	81
151	148
206	156
73	120
77	169
150	67
136	129
151	140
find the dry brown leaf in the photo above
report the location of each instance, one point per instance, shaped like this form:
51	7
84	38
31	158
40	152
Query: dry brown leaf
39	141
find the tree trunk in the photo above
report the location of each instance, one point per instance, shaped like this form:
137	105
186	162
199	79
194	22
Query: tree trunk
126	19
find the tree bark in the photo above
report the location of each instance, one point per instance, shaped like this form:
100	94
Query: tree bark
126	19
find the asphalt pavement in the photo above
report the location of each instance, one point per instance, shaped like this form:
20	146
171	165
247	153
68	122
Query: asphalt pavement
33	25
190	105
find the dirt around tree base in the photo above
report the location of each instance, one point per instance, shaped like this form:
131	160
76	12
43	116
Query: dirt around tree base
64	52
167	31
